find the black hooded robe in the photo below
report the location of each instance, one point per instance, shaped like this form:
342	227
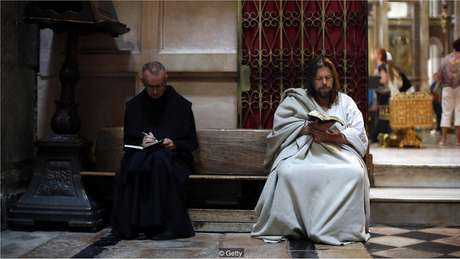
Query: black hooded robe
150	186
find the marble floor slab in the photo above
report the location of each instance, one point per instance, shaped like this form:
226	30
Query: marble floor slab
15	243
386	241
430	154
416	194
427	156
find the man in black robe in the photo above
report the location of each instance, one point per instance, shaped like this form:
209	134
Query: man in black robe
150	186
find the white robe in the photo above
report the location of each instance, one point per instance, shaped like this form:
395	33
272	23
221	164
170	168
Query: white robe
314	190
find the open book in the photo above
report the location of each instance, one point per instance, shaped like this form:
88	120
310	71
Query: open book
317	116
143	148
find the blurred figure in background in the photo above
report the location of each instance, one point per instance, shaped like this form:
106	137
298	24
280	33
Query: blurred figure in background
449	76
380	98
397	79
436	90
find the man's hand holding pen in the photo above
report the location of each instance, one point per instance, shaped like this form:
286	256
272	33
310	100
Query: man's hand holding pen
149	139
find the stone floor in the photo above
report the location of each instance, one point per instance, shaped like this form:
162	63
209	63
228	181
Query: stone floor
386	241
429	154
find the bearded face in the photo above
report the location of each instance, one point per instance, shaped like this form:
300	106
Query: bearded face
324	82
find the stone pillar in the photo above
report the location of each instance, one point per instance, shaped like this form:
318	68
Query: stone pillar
381	24
457	19
424	40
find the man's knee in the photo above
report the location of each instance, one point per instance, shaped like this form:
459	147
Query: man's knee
355	174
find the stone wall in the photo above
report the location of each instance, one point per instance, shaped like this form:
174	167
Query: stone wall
195	40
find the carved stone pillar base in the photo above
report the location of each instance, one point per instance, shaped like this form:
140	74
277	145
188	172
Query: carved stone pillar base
56	193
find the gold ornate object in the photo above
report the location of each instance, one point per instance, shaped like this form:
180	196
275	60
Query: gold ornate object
391	140
384	112
408	111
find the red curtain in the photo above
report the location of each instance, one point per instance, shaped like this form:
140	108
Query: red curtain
280	37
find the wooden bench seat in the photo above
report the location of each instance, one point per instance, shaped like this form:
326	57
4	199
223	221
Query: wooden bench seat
221	152
230	154
193	176
224	156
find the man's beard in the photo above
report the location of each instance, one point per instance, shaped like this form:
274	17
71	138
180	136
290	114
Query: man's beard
324	93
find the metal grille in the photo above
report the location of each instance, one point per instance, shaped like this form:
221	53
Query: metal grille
278	38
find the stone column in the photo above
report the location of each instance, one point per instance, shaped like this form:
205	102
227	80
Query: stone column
424	40
381	24
457	19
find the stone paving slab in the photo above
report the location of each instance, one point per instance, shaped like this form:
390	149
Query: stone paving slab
386	241
253	247
128	250
407	253
66	244
17	243
427	156
180	253
353	250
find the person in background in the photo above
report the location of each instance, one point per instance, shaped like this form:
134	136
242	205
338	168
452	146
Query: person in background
436	91
381	97
449	77
397	79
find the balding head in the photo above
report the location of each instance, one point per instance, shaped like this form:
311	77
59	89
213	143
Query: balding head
154	67
154	78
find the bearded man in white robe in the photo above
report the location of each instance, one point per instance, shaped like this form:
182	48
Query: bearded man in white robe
318	186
